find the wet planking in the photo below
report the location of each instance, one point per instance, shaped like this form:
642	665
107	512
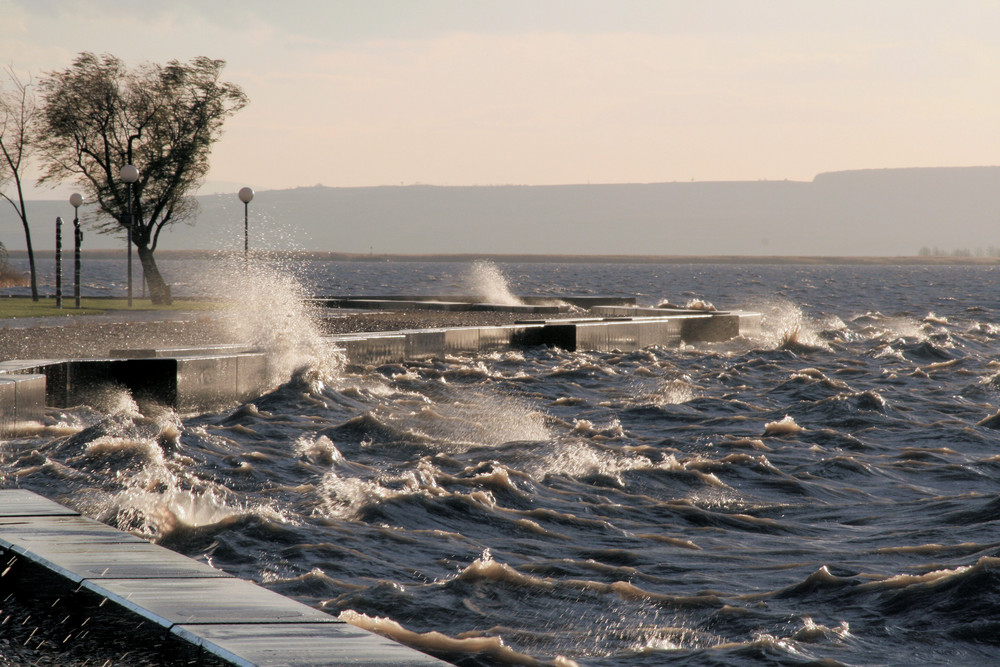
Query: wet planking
229	618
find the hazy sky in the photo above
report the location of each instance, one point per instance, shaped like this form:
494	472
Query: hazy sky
462	92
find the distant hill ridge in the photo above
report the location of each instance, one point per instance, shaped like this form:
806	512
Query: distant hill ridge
911	174
871	212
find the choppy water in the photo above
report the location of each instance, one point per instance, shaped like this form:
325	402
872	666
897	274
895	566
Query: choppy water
824	493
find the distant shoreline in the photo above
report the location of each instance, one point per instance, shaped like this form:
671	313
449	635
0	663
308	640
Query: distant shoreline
911	260
877	213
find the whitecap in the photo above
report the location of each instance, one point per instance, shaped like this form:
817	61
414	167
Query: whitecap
786	426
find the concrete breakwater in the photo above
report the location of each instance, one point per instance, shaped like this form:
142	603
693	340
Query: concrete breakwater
195	378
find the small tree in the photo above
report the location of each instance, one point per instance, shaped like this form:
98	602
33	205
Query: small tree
98	116
18	117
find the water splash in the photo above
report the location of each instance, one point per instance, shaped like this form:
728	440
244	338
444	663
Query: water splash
785	326
488	282
268	308
480	418
700	304
675	392
112	399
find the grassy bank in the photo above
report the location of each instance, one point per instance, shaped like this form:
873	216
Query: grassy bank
12	307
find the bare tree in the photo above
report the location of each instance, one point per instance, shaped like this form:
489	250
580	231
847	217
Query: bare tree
98	115
18	118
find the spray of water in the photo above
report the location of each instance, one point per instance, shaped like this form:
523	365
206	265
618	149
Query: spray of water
480	418
268	308
488	282
784	325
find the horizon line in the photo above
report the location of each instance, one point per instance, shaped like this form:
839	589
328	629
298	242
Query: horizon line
554	258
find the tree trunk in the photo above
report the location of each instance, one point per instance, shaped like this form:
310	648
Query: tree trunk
159	291
31	254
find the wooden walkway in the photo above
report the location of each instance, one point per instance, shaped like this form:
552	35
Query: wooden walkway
232	619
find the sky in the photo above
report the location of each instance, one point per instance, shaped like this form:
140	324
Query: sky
498	92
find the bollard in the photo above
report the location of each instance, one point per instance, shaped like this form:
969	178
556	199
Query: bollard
58	262
78	233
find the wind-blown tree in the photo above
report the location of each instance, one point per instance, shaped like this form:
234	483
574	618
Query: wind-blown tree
97	116
18	117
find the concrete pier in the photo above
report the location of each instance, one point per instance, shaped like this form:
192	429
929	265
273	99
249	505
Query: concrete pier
457	302
432	304
601	334
22	399
232	619
192	382
199	378
746	323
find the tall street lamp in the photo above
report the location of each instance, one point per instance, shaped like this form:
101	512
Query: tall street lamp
76	200
129	174
58	262
246	196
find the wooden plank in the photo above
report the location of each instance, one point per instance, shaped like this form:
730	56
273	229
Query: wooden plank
20	502
207	600
301	645
103	560
75	529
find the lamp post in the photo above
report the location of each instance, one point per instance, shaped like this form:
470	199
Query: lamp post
129	174
76	199
58	262
246	196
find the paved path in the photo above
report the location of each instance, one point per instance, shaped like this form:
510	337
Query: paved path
117	316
